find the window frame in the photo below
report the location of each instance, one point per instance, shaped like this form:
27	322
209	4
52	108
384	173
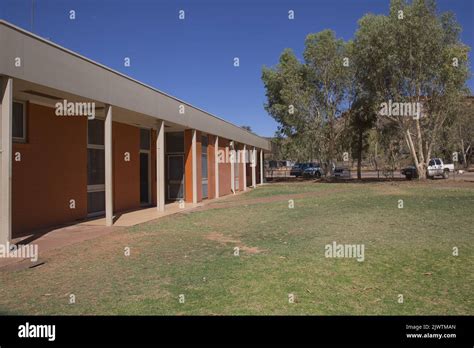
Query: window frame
98	187
18	139
148	152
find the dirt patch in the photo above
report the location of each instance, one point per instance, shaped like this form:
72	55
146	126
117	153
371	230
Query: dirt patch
220	238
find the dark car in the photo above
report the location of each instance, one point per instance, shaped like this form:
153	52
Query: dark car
410	172
299	168
313	171
296	170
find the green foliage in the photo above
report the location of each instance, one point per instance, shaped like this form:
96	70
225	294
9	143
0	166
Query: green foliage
305	97
412	54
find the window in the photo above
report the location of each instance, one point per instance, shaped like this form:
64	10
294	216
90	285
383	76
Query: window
204	143
175	168
145	166
144	139
19	122
175	142
95	132
95	167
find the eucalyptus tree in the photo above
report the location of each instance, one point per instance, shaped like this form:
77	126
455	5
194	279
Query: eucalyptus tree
306	98
414	57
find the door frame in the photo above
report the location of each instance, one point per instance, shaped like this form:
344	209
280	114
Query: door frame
205	153
169	181
148	152
99	187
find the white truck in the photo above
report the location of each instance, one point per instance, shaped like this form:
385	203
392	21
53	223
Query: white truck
436	167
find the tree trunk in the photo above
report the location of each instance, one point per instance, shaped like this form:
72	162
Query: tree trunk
420	165
463	154
359	155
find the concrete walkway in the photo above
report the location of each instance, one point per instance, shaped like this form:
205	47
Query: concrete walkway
143	215
52	239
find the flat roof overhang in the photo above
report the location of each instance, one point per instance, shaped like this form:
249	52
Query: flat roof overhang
47	64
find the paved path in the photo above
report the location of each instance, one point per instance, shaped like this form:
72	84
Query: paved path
53	239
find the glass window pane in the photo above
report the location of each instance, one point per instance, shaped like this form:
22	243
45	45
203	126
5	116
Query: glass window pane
95	167
175	142
95	132
18	121
144	139
204	166
95	202
176	191
176	168
204	141
144	172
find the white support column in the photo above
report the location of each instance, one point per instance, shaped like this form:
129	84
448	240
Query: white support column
254	167
244	172
194	166
109	193
6	95
160	166
232	169
216	165
261	167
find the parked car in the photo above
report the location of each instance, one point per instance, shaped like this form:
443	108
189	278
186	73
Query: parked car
313	171
341	172
436	167
299	168
296	170
410	172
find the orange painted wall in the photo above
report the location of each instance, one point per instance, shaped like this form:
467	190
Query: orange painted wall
188	165
199	164
258	167
52	170
211	178
224	170
126	175
241	167
153	166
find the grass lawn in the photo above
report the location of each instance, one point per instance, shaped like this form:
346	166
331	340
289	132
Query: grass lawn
408	251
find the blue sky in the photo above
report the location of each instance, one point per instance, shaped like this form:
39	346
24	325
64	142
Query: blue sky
193	59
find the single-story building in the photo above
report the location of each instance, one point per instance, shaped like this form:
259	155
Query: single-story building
79	140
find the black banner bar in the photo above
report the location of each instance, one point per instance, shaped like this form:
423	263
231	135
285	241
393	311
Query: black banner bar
346	330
